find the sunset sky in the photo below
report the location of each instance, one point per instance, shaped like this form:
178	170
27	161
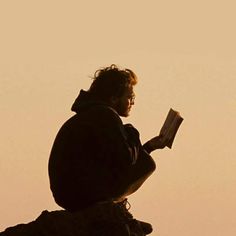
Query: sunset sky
184	54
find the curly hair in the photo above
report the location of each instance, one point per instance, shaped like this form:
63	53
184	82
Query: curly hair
111	81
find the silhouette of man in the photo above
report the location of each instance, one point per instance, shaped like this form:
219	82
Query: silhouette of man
96	161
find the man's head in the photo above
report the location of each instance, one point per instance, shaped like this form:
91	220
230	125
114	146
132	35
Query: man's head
115	87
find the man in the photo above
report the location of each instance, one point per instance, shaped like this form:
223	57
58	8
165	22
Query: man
96	161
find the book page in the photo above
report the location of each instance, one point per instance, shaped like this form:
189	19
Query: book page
171	126
169	119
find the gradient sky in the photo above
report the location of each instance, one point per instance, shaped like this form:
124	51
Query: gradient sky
184	54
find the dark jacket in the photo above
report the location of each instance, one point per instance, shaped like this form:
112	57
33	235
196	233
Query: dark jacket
95	157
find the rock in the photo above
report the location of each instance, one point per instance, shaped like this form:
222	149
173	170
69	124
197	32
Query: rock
103	220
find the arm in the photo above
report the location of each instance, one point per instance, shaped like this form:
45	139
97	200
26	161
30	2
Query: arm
129	164
142	166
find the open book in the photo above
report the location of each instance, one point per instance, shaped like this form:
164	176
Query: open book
171	126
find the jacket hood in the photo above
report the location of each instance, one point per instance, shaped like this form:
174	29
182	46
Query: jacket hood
85	101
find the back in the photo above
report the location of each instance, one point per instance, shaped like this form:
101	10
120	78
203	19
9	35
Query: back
83	163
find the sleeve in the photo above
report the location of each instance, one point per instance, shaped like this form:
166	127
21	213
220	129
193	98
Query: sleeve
122	141
131	164
147	147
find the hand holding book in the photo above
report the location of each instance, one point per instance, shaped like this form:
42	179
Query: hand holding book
167	132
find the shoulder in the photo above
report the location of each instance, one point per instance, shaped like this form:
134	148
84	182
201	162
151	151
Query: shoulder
97	116
104	114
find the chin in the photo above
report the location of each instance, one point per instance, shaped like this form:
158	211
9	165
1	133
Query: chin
123	112
126	114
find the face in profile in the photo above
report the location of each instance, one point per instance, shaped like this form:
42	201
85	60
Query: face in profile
124	103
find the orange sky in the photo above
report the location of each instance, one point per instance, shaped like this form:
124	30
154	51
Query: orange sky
184	55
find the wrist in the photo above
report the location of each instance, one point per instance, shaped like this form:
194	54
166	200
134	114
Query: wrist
148	147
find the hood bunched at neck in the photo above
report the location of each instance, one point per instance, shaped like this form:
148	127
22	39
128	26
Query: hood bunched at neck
85	101
82	101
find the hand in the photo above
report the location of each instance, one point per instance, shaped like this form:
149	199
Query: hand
158	142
